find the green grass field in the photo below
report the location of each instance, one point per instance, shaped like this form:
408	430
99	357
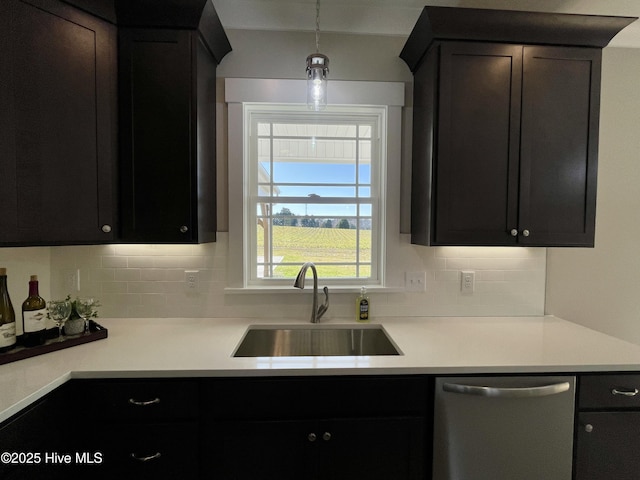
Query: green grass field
319	245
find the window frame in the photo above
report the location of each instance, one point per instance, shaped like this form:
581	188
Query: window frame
343	94
375	117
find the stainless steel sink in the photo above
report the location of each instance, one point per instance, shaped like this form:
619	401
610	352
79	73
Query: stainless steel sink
315	340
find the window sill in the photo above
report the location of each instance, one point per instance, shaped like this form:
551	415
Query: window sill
287	289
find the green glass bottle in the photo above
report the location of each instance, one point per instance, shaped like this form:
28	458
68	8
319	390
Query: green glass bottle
7	316
34	315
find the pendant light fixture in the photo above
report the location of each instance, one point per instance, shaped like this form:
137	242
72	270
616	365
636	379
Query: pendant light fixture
317	70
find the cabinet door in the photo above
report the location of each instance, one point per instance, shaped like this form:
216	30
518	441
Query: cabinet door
607	446
57	125
156	151
560	108
371	449
262	450
476	165
46	426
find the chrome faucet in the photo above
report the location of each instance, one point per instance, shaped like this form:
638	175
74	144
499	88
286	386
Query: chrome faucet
316	312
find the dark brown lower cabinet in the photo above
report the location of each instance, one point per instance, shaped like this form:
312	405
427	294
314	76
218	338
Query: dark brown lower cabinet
351	428
349	449
608	427
34	433
362	427
141	428
607	446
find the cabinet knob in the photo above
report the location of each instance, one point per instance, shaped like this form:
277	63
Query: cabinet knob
514	232
326	436
106	228
184	229
588	428
526	233
312	437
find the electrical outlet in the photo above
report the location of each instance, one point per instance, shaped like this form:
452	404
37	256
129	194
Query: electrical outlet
192	280
415	281
467	282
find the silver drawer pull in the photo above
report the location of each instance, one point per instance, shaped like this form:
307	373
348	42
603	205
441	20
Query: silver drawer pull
155	401
146	458
520	392
626	393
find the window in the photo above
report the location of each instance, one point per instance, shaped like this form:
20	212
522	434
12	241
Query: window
315	182
312	186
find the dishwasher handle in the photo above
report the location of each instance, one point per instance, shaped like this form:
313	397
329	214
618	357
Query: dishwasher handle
499	392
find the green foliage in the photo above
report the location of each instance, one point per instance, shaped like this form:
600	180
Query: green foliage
344	224
74	313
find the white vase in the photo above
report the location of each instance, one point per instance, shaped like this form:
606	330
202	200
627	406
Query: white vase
74	326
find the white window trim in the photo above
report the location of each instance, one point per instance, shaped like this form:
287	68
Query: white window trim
239	91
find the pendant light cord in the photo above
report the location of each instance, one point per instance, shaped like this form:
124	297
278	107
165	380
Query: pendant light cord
317	26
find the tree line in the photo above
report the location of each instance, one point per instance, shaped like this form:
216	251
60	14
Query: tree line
285	218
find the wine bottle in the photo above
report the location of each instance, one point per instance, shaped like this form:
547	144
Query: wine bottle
7	316
34	314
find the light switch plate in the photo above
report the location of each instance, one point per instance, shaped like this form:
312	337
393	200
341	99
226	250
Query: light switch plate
415	281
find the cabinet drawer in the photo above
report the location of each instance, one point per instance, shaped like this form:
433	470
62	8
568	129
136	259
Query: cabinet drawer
156	450
304	397
141	399
609	391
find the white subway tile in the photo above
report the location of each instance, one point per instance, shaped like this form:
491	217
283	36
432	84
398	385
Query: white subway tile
114	262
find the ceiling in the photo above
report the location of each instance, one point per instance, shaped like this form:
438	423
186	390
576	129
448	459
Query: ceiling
397	17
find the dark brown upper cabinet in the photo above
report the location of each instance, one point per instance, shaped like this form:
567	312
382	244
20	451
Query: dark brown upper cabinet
167	130
57	125
505	131
107	121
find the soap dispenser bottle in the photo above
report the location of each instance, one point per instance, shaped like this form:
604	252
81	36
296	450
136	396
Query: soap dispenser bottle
363	306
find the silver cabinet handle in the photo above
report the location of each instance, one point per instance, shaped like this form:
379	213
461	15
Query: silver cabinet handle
519	392
147	458
155	401
184	229
514	232
626	393
326	436
526	233
588	428
312	437
106	228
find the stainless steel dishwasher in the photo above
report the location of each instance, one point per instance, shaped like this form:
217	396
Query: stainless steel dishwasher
503	428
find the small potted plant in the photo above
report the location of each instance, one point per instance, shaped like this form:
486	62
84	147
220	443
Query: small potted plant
76	323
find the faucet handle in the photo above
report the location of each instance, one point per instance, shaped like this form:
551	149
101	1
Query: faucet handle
322	309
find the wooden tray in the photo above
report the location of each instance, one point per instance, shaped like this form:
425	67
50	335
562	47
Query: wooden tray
96	332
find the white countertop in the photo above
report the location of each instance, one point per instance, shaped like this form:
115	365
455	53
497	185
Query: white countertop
184	347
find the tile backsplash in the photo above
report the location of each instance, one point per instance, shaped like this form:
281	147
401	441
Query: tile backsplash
149	281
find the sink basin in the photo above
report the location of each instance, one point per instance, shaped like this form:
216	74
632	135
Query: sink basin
315	340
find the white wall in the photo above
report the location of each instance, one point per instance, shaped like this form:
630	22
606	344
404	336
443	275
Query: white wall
147	280
599	287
